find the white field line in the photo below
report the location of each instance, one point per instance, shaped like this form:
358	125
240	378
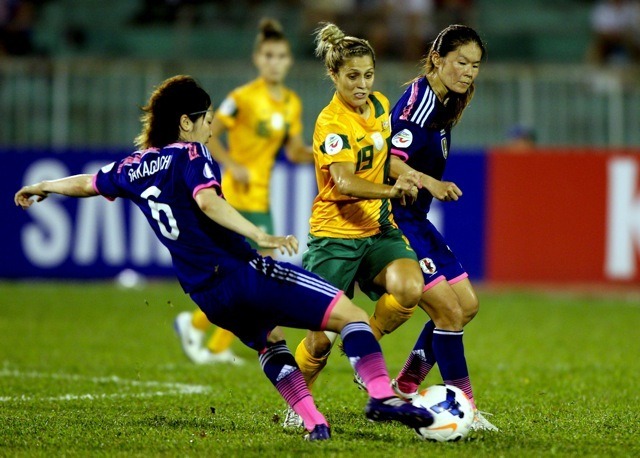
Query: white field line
157	388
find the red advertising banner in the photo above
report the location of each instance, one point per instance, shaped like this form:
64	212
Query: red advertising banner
562	216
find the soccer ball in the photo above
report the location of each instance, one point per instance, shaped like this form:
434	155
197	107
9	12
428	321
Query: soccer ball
452	412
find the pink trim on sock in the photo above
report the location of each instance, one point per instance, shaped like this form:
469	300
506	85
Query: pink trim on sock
460	277
311	416
327	314
432	283
373	371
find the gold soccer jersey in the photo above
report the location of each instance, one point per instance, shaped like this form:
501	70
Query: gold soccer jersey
257	128
341	135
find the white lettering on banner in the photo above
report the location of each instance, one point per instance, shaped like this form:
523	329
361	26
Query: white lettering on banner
623	219
46	241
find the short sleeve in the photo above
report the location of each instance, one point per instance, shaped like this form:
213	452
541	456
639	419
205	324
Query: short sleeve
228	110
407	138
201	171
105	182
332	143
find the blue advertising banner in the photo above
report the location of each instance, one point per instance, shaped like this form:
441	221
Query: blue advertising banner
96	238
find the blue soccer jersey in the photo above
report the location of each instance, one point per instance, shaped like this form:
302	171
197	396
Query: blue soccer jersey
163	184
416	141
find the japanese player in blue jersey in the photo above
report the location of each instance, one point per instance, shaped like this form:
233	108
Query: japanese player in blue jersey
176	184
421	140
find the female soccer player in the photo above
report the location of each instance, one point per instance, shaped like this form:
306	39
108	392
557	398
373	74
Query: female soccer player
422	121
258	118
175	182
353	236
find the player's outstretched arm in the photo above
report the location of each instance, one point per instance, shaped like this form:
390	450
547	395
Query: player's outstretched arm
221	212
73	186
441	190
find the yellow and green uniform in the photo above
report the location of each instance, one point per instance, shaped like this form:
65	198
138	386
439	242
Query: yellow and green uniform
352	239
257	127
341	135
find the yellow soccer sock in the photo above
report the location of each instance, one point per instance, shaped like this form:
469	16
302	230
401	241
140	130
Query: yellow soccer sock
220	341
309	365
200	321
388	316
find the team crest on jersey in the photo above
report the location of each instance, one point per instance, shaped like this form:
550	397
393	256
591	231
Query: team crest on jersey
333	144
378	141
427	265
207	172
402	139
228	106
277	121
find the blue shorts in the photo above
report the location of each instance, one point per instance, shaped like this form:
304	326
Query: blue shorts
256	298
436	259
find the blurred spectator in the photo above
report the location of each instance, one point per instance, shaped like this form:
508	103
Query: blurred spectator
16	25
520	138
616	32
454	12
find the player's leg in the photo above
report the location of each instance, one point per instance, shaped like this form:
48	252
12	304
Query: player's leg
191	328
336	261
391	266
365	356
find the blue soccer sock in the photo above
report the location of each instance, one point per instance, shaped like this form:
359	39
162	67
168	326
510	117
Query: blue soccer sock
365	356
420	361
449	351
281	369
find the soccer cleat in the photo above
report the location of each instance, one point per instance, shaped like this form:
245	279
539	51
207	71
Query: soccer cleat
190	338
405	396
480	423
319	433
292	420
359	382
394	408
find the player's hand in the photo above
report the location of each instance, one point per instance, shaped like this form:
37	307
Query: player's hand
240	173
287	244
444	191
24	195
406	187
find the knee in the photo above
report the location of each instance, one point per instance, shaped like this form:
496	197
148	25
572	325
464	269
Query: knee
470	309
407	290
448	315
317	344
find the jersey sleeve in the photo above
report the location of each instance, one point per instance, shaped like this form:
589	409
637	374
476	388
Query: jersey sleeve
228	110
407	138
106	182
201	171
332	143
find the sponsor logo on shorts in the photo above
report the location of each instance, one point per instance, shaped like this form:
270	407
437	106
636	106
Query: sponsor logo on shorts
402	139
427	265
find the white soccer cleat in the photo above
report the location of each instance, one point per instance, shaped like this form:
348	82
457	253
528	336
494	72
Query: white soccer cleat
292	420
405	396
480	423
225	357
190	338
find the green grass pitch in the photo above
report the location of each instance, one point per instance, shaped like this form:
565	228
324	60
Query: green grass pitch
88	369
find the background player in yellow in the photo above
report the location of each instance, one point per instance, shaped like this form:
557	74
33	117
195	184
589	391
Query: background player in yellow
259	118
353	237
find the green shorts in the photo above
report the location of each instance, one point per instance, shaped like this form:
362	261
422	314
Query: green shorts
343	262
261	219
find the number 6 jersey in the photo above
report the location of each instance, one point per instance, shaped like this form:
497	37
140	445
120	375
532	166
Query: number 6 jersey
163	184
